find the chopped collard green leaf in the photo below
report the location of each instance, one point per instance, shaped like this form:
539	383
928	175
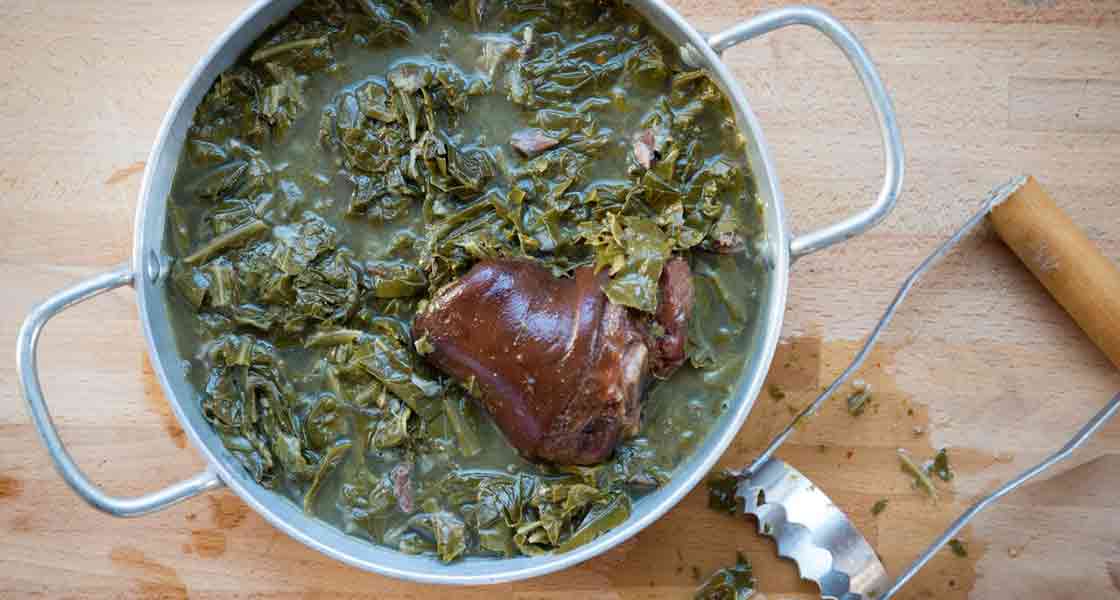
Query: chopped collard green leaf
730	583
329	462
360	155
857	402
958	548
879	506
721	492
634	250
455	407
600	519
940	466
921	478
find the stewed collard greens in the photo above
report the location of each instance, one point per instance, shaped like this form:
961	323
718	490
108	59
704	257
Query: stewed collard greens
361	155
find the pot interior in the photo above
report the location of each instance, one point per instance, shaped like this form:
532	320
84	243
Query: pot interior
150	257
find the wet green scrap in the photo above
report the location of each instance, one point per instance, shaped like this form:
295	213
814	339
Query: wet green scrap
722	488
940	466
731	583
921	478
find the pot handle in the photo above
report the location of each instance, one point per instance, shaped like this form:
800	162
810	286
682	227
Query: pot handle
26	348
881	103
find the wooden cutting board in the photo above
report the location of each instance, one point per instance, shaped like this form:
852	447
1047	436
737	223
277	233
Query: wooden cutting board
981	361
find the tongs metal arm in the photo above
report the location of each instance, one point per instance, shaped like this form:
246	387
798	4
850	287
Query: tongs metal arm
998	195
1094	424
1074	443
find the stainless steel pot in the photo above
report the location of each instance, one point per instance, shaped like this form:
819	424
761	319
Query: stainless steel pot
147	272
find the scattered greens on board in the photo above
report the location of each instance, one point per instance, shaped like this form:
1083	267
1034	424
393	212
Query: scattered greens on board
360	155
921	477
730	583
858	400
721	492
940	466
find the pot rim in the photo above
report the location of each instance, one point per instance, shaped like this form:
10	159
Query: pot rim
426	569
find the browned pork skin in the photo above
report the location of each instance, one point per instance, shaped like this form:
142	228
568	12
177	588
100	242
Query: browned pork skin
560	368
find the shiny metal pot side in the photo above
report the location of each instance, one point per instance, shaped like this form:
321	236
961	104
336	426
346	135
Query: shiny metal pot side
147	274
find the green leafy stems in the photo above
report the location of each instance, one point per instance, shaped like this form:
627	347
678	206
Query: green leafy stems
362	154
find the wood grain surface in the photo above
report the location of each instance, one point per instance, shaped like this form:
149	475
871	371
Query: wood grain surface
981	361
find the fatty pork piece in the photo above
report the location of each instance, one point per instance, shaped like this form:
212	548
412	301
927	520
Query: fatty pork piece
560	368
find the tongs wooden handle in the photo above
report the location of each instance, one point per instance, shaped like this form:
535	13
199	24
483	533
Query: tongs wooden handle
1082	279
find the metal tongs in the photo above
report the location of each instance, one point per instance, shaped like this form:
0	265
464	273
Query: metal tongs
816	534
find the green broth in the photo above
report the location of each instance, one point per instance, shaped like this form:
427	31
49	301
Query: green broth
303	360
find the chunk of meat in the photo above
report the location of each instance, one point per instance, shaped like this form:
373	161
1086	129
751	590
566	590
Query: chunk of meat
644	148
531	142
401	476
674	309
561	369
